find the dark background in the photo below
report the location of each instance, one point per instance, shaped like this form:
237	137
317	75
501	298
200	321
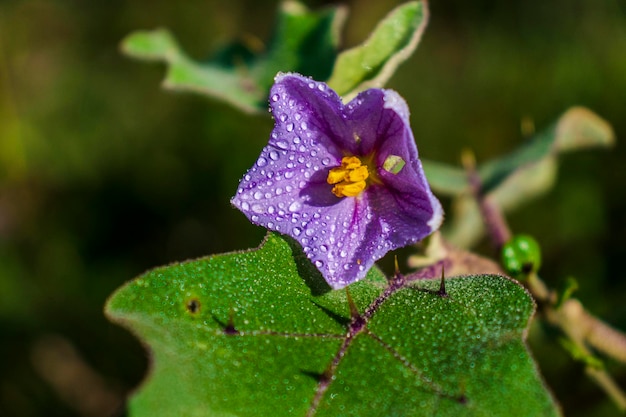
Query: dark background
104	175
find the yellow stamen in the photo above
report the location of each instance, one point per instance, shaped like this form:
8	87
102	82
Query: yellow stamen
349	178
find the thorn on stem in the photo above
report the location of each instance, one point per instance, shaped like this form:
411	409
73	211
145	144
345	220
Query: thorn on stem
395	258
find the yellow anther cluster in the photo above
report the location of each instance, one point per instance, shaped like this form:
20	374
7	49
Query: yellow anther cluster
349	178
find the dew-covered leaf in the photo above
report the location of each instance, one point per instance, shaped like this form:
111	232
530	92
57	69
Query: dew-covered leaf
259	333
241	73
516	178
373	62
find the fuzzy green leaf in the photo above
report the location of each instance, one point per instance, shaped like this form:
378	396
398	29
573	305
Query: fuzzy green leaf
391	43
243	334
516	178
242	73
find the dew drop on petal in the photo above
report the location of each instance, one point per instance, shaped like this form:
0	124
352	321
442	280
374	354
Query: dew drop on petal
245	206
282	144
275	97
324	248
290	127
255	218
309	232
297	140
289	174
283	117
325	161
273	155
257	208
346	267
261	161
319	263
258	195
271	209
295	206
297	231
303	125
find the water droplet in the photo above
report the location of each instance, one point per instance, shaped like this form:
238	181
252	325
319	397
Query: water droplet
270	225
297	140
275	97
268	195
257	208
282	144
311	84
309	232
297	231
290	127
297	116
304	126
273	155
319	263
295	206
289	174
245	206
283	117
313	152
258	195
288	188
325	161
271	209
261	161
343	254
347	267
278	191
255	218
323	248
320	87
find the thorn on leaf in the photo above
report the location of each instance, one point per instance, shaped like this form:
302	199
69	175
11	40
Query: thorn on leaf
229	327
442	285
354	311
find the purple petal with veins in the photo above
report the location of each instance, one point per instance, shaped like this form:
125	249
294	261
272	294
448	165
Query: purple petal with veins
287	189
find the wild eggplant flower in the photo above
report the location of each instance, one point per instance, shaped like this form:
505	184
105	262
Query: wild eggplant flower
344	181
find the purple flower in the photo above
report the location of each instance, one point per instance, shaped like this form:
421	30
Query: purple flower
344	181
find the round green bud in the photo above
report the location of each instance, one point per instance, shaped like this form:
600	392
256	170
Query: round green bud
521	255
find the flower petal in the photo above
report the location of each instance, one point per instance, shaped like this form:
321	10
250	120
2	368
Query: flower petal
287	189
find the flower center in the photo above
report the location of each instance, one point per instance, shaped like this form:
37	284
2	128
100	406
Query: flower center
349	178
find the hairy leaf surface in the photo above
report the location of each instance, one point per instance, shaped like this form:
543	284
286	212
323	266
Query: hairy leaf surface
259	333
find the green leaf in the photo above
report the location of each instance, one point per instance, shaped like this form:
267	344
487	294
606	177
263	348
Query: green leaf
516	178
242	334
372	63
242	73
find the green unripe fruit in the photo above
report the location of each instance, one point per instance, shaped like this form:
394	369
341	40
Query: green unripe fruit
521	255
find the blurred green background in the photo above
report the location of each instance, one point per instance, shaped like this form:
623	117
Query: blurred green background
104	175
